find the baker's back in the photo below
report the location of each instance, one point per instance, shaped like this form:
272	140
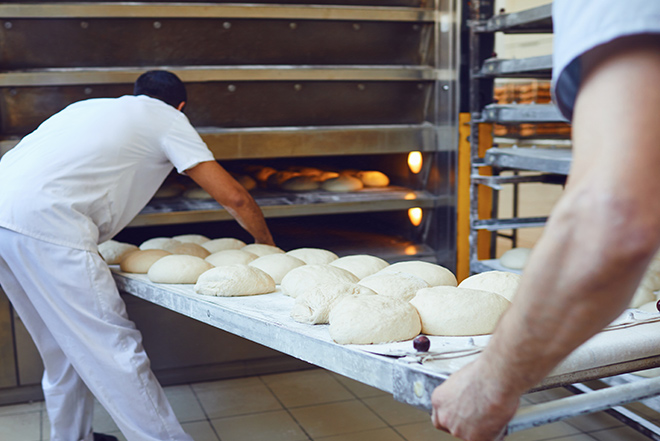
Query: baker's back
87	170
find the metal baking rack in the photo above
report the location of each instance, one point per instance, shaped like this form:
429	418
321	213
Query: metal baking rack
537	153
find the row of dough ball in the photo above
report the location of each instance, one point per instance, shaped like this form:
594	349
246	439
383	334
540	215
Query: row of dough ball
293	181
645	298
379	293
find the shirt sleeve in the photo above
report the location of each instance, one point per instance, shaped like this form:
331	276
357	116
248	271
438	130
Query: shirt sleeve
183	146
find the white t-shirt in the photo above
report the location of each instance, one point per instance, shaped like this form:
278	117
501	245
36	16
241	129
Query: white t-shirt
88	170
581	25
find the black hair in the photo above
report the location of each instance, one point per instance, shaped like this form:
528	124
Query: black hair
162	85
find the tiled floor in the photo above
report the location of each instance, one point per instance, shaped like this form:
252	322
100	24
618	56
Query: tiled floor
310	405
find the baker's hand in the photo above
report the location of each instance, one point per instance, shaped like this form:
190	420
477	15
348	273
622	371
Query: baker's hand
472	406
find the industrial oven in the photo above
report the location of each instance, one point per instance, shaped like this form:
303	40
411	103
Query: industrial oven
335	85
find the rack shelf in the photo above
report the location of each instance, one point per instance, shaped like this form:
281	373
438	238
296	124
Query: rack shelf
535	159
534	20
521	113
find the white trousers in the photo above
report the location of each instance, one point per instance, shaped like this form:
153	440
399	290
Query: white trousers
70	305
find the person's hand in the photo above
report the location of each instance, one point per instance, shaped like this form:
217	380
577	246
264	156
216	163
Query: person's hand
472	406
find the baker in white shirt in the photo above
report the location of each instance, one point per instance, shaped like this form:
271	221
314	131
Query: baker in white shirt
602	233
74	182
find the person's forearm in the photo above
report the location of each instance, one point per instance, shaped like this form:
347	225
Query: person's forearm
213	178
249	216
557	307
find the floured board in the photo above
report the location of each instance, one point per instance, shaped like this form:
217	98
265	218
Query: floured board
394	367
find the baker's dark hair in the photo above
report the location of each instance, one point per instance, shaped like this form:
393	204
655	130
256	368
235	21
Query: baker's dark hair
162	85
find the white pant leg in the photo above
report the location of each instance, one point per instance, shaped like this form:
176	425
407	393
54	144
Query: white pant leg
76	298
70	404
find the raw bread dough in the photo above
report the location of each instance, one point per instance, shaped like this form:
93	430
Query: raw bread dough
651	306
313	256
231	257
277	265
327	175
435	275
246	181
113	251
641	296
140	261
191	238
314	306
276	180
447	310
197	193
503	283
362	265
373	319
178	268
234	280
373	178
306	277
342	183
651	277
261	249
398	285
225	243
159	243
191	249
301	183
515	258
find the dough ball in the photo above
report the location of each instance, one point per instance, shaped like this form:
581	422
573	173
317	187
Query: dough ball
197	193
314	306
191	249
231	257
301	183
651	277
178	268
304	278
651	306
447	310
276	180
191	238
234	280
373	319
140	261
327	175
160	243
313	256
503	283
342	183
642	295
435	275
261	173
225	243
277	265
373	179
362	265
515	258
261	249
247	182
113	252
397	285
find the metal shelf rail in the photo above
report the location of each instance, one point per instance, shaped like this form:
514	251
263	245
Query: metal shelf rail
484	68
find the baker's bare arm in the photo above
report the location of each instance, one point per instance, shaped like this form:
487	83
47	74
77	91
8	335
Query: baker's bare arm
213	178
594	251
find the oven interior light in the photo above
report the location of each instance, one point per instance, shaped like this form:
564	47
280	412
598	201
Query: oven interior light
410	250
415	162
415	215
